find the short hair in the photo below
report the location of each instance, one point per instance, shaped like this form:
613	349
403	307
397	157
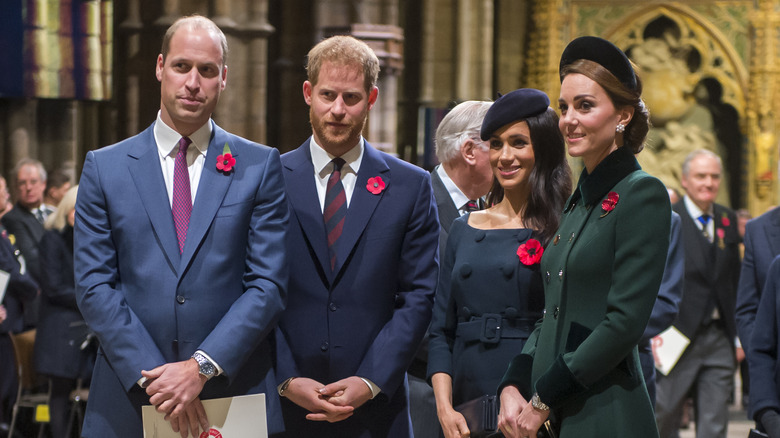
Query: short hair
29	162
194	22
58	219
686	166
621	96
343	50
460	124
56	179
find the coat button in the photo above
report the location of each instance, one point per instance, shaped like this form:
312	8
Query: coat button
180	299
571	237
332	307
555	312
547	277
557	238
560	274
324	346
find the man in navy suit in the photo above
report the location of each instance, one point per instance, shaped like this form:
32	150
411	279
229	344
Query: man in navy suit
363	261
762	245
180	259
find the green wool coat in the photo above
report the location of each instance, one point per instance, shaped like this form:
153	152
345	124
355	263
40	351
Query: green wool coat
601	275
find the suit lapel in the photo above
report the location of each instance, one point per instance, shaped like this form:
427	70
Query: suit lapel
302	196
362	204
212	188
773	231
144	165
448	211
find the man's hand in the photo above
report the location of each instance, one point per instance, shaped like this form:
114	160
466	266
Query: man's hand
306	393
352	391
174	386
512	404
194	418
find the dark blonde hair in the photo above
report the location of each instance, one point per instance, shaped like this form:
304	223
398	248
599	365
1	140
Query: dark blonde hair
621	96
343	50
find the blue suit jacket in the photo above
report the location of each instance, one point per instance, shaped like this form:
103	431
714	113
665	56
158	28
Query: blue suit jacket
148	304
367	317
762	244
764	346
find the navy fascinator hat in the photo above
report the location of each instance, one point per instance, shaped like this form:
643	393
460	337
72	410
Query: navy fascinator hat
516	105
603	53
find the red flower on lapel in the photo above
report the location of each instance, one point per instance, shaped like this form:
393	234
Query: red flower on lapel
375	185
724	220
225	162
609	203
530	252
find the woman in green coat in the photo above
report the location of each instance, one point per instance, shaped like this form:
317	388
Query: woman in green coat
580	368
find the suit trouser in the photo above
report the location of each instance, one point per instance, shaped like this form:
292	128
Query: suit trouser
422	408
707	370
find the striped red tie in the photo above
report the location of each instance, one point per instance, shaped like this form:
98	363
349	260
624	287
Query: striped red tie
335	209
182	197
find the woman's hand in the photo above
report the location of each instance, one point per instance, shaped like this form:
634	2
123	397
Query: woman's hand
530	420
512	404
453	423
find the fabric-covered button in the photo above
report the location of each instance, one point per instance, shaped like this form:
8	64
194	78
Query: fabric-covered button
479	235
508	269
332	307
465	270
510	313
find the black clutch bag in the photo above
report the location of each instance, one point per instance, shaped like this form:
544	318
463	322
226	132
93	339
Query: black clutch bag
481	416
757	434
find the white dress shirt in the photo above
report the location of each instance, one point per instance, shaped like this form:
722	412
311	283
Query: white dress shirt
458	198
168	146
323	168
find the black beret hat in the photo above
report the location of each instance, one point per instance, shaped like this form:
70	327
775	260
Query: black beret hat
601	52
515	105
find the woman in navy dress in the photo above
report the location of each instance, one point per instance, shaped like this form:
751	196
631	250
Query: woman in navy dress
490	290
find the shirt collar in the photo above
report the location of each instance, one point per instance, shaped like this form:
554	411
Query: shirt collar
458	198
168	139
321	158
694	209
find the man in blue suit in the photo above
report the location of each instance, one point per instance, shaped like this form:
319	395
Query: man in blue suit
363	260
180	259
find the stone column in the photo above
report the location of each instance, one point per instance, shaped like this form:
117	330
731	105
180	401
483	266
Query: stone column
474	59
763	108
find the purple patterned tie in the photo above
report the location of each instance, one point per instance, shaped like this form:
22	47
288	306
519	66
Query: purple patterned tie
182	197
335	209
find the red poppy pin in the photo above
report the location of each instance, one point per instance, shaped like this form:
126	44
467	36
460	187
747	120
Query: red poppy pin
609	203
724	220
375	185
225	162
530	252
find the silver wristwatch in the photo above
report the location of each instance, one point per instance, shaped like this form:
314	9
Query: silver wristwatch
205	367
537	403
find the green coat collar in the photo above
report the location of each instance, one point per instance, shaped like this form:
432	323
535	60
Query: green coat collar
592	188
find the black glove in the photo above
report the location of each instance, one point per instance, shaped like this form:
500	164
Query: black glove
770	419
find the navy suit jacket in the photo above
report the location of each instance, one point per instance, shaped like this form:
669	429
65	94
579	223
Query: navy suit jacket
764	346
762	244
21	287
367	317
148	304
